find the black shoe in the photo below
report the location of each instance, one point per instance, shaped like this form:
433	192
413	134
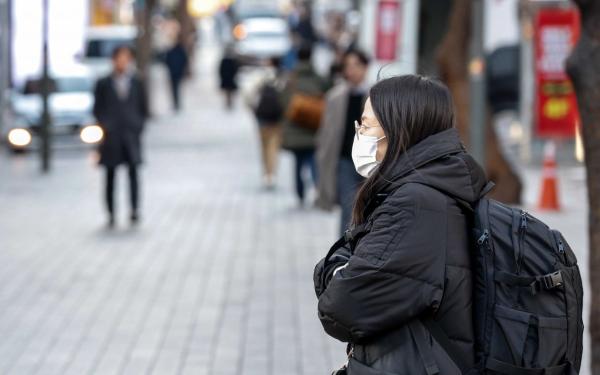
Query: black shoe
135	219
111	222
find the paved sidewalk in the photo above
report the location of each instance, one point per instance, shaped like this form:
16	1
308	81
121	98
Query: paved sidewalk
217	279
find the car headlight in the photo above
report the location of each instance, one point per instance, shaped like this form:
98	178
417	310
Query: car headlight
19	137
239	32
91	134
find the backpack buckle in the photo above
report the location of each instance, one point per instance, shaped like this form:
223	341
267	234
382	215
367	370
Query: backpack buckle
547	282
552	280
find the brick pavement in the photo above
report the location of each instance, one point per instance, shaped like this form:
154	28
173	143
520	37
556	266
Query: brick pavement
216	280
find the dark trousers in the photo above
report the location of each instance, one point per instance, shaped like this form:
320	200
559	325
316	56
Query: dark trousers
348	183
110	188
175	91
304	159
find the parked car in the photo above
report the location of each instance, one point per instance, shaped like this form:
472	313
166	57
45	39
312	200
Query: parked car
70	105
259	36
100	41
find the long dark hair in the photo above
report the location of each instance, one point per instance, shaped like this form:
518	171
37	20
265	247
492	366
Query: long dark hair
409	108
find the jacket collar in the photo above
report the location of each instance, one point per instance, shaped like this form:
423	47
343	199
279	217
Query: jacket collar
431	148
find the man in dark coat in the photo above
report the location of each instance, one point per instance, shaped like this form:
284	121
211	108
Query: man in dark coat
176	59
121	108
413	262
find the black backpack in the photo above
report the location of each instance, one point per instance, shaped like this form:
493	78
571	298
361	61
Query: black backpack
527	297
269	108
528	294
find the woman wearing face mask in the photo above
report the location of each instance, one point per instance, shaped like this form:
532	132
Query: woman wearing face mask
404	269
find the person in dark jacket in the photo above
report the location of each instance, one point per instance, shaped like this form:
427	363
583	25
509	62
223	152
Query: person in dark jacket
121	108
339	182
228	69
176	60
304	27
408	262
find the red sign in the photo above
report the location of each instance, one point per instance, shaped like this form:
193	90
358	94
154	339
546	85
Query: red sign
388	29
556	32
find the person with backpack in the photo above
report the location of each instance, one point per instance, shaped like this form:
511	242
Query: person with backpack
264	99
303	101
339	180
434	278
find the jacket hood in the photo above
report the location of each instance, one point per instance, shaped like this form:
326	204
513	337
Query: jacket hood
441	162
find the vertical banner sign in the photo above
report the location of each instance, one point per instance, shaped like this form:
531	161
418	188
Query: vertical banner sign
388	29
556	32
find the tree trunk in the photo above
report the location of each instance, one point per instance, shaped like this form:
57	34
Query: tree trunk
453	61
187	32
583	66
144	39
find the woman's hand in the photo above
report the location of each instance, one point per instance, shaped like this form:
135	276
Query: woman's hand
324	273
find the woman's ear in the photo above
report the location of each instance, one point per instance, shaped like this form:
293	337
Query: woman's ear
382	146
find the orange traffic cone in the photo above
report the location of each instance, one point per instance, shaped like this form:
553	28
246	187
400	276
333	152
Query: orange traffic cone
549	193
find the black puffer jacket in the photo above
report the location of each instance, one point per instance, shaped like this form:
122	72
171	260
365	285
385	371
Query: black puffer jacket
414	261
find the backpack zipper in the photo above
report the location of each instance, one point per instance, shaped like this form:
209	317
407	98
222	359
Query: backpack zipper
561	249
522	230
484	238
484	241
523	220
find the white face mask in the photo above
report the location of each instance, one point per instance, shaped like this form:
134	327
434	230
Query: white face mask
364	154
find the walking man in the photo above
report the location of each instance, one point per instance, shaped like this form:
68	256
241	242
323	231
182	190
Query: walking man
339	182
121	108
177	63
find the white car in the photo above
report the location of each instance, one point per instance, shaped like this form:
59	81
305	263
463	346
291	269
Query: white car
70	105
259	38
100	41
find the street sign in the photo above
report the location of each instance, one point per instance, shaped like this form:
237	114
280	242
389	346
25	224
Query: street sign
388	25
556	31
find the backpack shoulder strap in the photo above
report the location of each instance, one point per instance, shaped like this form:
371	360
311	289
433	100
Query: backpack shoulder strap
487	188
440	336
349	236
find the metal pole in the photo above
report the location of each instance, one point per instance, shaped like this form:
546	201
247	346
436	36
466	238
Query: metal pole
477	85
526	98
4	55
45	119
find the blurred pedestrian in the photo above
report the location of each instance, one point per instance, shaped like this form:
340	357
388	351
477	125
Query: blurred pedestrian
265	100
304	28
304	107
176	59
121	108
339	181
290	58
228	69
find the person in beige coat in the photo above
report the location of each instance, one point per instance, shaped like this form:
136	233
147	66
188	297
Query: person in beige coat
339	181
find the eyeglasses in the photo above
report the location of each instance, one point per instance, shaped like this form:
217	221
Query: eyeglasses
361	128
